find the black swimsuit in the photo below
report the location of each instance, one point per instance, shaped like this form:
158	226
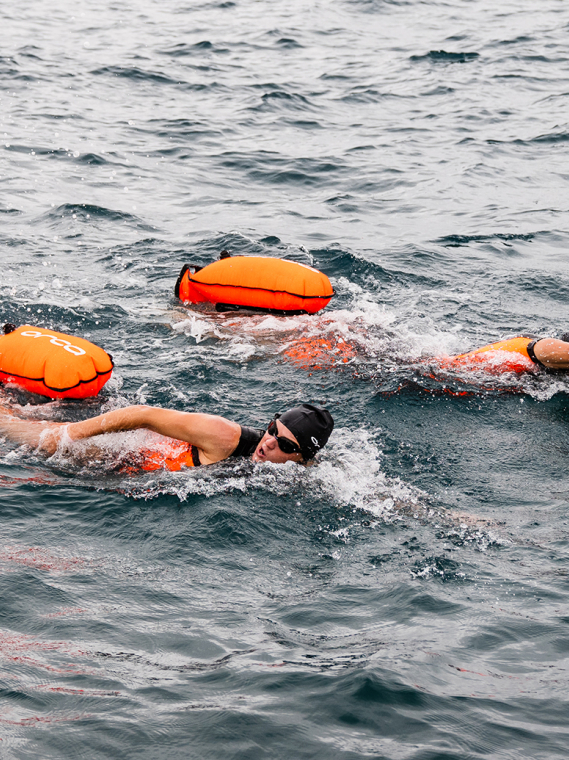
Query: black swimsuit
248	441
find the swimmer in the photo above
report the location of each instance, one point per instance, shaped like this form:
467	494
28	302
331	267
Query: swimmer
521	354
201	439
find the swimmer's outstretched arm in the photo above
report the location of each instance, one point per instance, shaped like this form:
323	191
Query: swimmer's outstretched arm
216	437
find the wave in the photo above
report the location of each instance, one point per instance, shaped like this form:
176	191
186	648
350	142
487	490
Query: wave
91	159
86	212
183	50
456	241
8	67
88	158
280	99
520	39
376	6
442	56
288	43
135	74
181	129
365	94
221	5
550	138
38	150
11	71
269	168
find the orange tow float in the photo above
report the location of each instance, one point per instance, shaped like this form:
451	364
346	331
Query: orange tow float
503	356
257	283
51	363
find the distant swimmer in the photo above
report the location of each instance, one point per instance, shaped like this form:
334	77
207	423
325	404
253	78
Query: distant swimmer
515	355
521	354
195	439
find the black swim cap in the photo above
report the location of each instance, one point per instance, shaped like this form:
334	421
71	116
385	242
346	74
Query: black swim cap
310	425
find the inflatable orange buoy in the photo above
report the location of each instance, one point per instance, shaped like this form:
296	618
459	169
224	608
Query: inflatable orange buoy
52	364
504	356
257	283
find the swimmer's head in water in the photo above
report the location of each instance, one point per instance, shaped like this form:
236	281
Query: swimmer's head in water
310	425
278	445
295	435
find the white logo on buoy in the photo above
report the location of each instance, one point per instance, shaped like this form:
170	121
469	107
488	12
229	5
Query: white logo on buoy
55	341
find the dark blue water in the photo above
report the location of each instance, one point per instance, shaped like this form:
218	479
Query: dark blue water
405	597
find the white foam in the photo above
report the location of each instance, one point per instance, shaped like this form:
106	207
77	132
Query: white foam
347	473
197	328
371	329
350	474
104	453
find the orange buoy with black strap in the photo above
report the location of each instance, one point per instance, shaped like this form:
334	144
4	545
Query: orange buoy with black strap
504	356
257	283
51	363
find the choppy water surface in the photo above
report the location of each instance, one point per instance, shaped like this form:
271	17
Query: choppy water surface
406	597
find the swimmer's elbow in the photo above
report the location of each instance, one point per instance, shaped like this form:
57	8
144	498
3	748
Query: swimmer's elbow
148	416
129	418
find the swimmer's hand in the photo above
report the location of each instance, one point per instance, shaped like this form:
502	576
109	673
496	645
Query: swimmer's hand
44	436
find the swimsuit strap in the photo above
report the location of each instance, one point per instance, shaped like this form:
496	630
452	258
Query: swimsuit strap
531	353
248	441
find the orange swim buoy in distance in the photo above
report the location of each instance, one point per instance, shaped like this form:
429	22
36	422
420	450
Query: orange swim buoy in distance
51	363
257	283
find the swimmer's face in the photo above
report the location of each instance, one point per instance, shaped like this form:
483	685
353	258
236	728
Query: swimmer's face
269	450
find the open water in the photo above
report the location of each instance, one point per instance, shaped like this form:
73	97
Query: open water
407	596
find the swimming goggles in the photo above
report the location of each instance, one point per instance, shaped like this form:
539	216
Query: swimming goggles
285	444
